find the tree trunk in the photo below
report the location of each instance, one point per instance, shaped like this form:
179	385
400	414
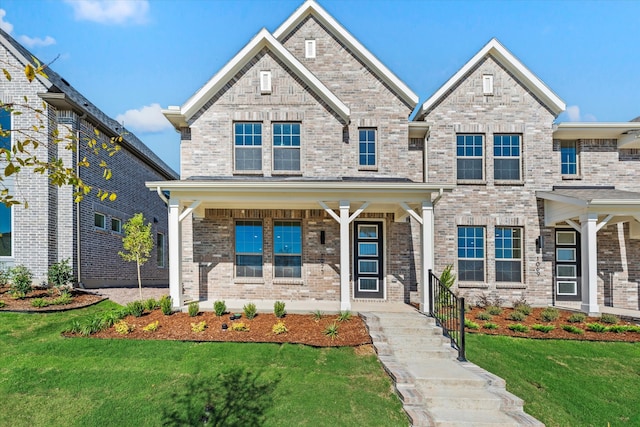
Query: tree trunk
139	279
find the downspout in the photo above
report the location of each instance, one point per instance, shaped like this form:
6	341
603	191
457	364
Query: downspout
425	164
78	239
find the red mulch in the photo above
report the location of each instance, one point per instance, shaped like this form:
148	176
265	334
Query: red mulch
80	299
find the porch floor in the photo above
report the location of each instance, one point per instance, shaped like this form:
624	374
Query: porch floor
309	306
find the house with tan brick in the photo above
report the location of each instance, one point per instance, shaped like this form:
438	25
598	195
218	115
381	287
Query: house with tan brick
304	179
55	228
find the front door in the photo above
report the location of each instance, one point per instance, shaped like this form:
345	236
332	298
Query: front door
368	260
567	271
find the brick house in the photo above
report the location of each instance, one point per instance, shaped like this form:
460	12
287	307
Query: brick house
53	227
298	157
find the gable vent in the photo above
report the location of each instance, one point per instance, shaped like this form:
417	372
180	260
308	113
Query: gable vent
487	84
310	48
265	81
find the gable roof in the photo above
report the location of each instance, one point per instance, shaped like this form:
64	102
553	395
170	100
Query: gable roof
310	7
61	94
179	116
512	64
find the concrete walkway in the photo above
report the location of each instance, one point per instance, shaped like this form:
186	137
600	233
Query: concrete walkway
435	388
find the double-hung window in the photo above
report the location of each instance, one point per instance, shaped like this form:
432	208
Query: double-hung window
469	153
367	148
508	254
286	146
569	157
287	248
506	157
248	249
471	254
248	146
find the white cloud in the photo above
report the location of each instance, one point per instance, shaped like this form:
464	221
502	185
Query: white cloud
111	11
147	119
36	41
7	26
574	115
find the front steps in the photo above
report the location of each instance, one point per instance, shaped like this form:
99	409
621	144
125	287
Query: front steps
435	388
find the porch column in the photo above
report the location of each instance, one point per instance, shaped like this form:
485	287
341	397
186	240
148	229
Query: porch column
175	253
345	300
427	254
589	251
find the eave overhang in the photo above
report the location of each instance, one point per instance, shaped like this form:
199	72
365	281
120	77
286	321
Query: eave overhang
419	129
626	133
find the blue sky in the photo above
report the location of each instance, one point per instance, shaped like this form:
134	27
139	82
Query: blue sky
132	58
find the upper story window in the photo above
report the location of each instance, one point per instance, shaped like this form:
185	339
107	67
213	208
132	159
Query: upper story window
469	152
116	225
508	254
367	147
248	146
5	125
471	254
506	157
287	248
6	228
248	249
265	82
569	157
286	146
310	48
100	221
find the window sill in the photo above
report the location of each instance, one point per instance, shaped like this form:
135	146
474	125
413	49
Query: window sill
288	281
508	182
471	182
510	285
286	173
571	177
368	168
468	285
248	281
241	172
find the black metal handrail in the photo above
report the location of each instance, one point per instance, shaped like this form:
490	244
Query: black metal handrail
448	310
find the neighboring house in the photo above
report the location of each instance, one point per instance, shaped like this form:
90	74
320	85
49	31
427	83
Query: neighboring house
53	227
298	158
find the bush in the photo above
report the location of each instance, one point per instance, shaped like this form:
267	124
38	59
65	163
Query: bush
21	278
220	307
519	327
64	299
60	274
194	308
618	329
4	275
151	304
517	315
483	316
573	329
549	314
165	305
239	326
39	302
317	315
152	327
543	328
2	303
278	309
494	310
109	318
344	316
577	318
123	327
279	328
199	327
249	310
609	318
135	308
596	327
630	328
490	325
471	324
522	306
331	330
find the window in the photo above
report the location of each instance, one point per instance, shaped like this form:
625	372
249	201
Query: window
508	254
6	227
310	48
5	124
487	84
100	221
265	81
286	146
367	147
160	250
287	248
469	154
506	157
116	225
248	249
471	254
569	157
248	146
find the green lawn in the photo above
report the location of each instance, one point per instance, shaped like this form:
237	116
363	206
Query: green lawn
566	383
47	380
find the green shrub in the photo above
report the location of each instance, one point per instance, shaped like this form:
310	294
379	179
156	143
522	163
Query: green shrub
630	328
109	318
151	304
344	316
577	318
317	315
523	307
239	326
152	327
4	275
573	329
279	328
194	308
199	327
2	303
543	328
609	318
123	327
519	327
249	310
494	310
471	324
165	305
596	327
39	302
278	309
219	307
64	299
490	325
60	274
517	315
135	308
483	315
549	314
331	330
618	329
21	278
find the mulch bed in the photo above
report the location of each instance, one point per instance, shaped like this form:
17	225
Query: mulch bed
80	299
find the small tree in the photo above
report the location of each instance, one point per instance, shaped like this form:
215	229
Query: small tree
137	243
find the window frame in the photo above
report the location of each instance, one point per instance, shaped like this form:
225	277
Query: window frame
462	271
243	146
513	249
259	267
576	158
286	148
104	221
4	114
368	144
470	157
297	269
265	82
502	157
119	222
161	242
11	232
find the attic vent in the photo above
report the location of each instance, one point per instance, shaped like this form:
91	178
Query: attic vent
487	84
265	81
310	48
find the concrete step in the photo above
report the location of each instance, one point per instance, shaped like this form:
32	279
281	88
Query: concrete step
453	417
419	353
405	331
461	398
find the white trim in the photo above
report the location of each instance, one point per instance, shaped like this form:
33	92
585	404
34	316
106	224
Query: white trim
595	130
512	64
575	287
310	7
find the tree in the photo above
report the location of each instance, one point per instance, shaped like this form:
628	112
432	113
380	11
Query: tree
137	243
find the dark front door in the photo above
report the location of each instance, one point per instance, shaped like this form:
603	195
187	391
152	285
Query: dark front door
368	260
567	272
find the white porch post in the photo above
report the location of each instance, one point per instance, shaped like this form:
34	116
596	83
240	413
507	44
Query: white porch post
427	254
589	251
175	253
345	299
